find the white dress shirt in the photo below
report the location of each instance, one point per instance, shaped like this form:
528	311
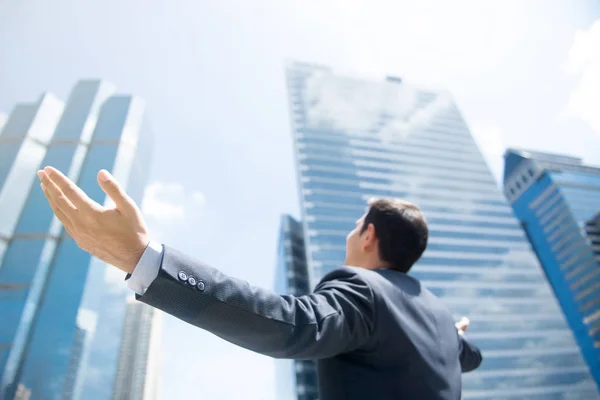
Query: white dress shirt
146	269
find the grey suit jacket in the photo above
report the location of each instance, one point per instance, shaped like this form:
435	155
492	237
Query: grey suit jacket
376	334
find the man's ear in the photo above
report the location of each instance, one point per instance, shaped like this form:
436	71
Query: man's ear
370	236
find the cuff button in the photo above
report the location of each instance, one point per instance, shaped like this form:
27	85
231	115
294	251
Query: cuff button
192	281
182	276
200	285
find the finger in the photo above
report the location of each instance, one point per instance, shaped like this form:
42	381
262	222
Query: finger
113	190
59	214
72	192
56	197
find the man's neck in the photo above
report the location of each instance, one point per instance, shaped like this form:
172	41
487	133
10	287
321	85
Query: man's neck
370	264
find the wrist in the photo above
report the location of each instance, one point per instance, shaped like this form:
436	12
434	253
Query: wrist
135	255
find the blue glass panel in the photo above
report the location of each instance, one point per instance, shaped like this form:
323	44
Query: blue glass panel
527	361
21	260
340	239
19	121
56	321
37	214
77	110
8	154
579	178
475	276
113	115
480	292
535	380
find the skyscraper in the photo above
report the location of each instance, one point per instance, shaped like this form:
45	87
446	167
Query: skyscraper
557	199
46	281
355	139
138	369
295	378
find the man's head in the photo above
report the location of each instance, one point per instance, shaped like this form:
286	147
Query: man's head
393	233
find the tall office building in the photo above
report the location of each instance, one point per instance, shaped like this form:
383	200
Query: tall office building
295	379
59	312
355	139
557	198
139	359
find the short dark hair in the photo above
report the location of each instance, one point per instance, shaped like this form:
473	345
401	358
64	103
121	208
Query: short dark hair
401	229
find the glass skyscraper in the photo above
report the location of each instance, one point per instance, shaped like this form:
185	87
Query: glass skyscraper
557	198
59	310
295	379
357	139
139	359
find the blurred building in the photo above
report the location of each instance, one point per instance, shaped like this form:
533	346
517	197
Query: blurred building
138	370
355	139
3	118
60	307
557	199
295	379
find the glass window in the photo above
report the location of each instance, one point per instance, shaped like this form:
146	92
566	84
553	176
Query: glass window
3	247
543	360
8	154
520	379
472	274
477	293
581	178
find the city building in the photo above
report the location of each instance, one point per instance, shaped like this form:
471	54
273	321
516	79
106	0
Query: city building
139	358
557	200
355	139
295	379
60	307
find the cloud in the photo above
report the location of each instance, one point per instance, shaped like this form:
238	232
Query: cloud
348	104
420	118
584	62
164	201
391	109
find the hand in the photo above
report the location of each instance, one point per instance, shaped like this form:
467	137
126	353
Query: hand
462	325
116	235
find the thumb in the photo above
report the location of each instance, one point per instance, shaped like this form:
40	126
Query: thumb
113	190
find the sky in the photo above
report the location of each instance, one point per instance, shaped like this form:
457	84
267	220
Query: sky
524	74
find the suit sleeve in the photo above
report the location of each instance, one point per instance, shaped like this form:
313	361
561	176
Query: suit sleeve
470	355
338	317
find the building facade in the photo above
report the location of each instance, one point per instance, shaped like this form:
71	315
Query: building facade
46	281
138	371
356	139
295	379
557	199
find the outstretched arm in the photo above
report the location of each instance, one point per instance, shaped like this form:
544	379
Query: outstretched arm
469	355
337	317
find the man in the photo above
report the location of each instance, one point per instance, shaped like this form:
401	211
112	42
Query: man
375	331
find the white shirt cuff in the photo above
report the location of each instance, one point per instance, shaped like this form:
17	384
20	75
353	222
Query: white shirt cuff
146	269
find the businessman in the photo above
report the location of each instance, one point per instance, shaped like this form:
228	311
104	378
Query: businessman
375	331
